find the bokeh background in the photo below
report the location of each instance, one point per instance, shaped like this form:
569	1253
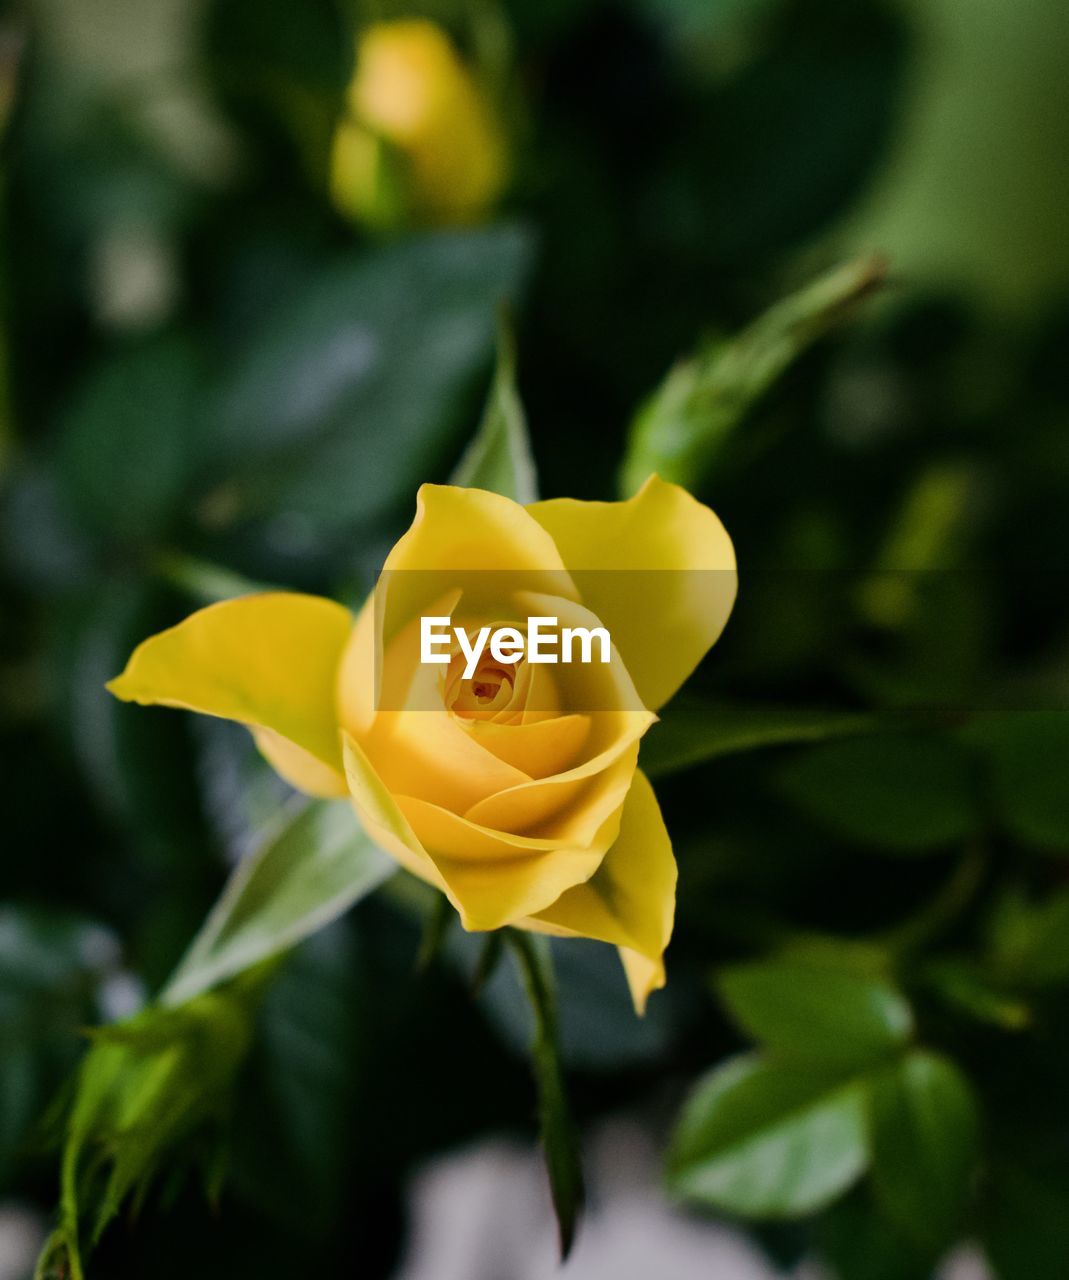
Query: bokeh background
212	365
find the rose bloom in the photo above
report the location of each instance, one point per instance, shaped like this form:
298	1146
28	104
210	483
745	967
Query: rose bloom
517	793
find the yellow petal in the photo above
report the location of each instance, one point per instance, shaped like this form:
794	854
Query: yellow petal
380	816
495	880
402	76
584	686
572	805
483	543
366	682
658	569
300	768
428	754
487	892
540	695
644	976
356	696
269	661
490	895
539	748
444	834
630	900
416	746
412	88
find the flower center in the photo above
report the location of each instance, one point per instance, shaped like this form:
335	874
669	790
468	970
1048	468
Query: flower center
488	693
489	690
487	683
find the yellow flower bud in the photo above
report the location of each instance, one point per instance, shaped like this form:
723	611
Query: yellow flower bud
418	141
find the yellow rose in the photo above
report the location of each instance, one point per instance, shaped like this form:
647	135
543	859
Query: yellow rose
419	138
515	792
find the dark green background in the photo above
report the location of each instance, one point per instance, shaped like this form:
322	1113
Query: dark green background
203	360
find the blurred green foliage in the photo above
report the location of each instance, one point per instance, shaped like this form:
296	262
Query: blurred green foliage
209	377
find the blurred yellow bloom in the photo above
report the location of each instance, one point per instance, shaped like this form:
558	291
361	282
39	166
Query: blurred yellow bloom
419	140
516	793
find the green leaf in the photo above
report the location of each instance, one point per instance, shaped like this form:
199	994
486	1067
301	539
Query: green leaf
560	1140
769	1139
925	1129
860	1244
1026	753
1025	1228
314	865
968	987
683	429
205	582
125	450
815	1012
499	457
1029	941
690	732
295	1135
926	536
345	402
92	636
902	792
